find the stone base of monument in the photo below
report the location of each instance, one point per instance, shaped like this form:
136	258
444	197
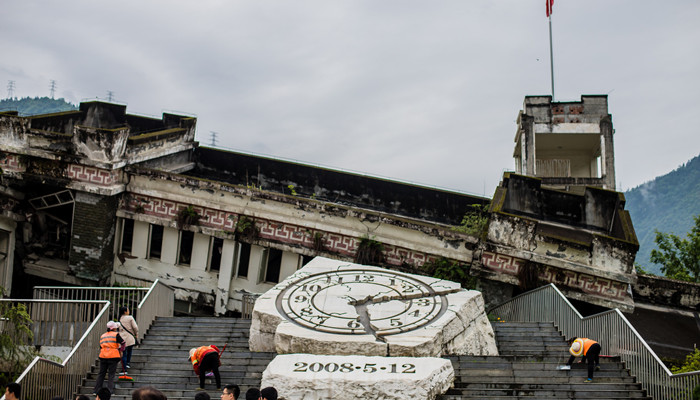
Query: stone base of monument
312	377
329	307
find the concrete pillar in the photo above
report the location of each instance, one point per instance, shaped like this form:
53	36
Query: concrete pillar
7	248
223	287
290	262
607	153
200	252
92	241
139	247
170	248
527	140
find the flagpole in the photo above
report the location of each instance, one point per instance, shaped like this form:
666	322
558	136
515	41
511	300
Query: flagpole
551	56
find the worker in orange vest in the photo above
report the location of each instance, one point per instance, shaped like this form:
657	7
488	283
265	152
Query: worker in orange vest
206	358
110	355
588	350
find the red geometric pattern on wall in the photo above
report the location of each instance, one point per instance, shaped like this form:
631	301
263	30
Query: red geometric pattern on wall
398	255
584	282
12	163
273	230
502	264
169	209
284	233
95	176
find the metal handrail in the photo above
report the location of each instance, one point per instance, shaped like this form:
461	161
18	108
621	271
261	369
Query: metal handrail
249	304
118	296
44	379
611	329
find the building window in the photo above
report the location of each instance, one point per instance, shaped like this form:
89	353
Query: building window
243	260
127	235
217	245
272	264
184	256
303	260
155	242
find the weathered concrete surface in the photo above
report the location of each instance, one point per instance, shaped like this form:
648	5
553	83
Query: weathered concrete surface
316	377
667	292
419	316
585	244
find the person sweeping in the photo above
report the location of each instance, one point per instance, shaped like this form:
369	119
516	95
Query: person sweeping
110	355
203	359
588	350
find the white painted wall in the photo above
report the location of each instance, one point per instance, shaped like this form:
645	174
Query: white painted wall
223	287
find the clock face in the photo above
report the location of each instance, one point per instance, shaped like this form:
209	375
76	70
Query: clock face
360	301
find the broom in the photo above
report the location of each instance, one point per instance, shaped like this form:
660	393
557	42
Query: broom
124	376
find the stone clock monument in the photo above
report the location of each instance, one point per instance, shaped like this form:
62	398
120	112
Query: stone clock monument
379	326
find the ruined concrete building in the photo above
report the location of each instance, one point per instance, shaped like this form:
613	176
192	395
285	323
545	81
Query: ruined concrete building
98	196
569	145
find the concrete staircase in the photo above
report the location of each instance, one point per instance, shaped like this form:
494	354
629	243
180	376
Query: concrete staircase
526	369
162	358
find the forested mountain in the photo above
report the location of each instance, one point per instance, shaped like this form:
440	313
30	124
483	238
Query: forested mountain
667	204
37	105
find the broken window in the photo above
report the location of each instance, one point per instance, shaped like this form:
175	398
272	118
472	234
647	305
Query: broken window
127	235
185	253
155	242
273	263
243	259
47	231
217	245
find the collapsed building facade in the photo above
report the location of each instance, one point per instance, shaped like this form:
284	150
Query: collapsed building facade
99	196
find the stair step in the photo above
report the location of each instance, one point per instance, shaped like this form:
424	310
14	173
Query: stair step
525	369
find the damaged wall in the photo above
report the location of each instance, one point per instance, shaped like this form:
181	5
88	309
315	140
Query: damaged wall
92	242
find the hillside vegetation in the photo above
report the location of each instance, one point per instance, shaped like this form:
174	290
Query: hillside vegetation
37	105
667	204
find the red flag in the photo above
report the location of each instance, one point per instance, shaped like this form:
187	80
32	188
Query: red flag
550	3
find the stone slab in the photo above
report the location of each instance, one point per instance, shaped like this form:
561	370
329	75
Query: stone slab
333	307
315	377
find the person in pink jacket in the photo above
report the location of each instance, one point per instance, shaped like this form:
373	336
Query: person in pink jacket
129	331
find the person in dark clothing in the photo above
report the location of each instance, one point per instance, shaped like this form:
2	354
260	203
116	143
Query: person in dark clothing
110	355
206	358
148	393
13	391
230	392
252	394
588	350
103	394
268	393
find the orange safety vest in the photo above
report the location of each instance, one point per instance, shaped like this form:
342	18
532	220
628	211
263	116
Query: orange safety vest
109	348
585	345
199	355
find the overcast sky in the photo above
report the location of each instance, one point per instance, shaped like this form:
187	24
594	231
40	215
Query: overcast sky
420	91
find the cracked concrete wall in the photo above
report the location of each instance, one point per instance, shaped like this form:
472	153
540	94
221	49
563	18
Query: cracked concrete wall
92	241
224	289
667	292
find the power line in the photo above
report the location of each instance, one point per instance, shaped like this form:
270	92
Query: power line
10	89
53	88
213	138
110	96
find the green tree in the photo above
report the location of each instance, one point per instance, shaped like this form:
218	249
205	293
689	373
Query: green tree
442	268
16	351
475	220
691	363
680	258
